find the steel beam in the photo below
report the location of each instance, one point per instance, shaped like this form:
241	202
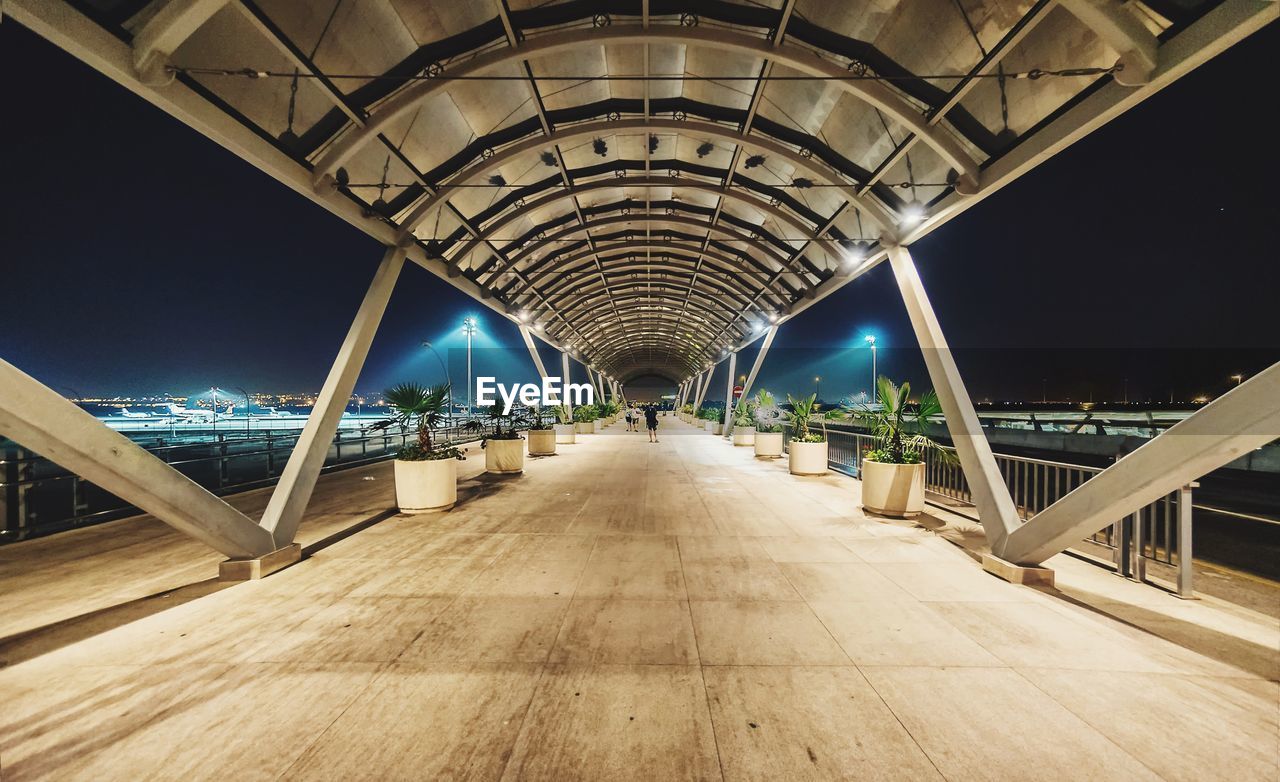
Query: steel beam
728	392
173	23
722	39
533	351
759	362
991	496
564	381
298	479
880	213
39	419
1242	420
1115	24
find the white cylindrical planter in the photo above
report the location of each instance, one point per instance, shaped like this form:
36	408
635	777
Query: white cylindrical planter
596	426
895	490
504	456
426	486
808	458
768	445
706	424
584	427
744	435
542	442
564	434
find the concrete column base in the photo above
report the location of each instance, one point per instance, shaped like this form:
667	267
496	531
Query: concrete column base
253	569
1017	574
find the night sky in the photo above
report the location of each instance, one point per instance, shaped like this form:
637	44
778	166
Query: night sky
139	257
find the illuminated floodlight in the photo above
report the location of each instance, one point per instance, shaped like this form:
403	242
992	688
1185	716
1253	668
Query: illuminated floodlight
855	254
870	339
773	317
912	214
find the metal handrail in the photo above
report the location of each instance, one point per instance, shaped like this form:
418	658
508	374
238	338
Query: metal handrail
1160	531
27	479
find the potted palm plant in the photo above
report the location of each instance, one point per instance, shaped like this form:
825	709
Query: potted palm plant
542	436
768	426
744	423
426	474
608	412
504	449
564	425
893	471
808	447
711	420
584	417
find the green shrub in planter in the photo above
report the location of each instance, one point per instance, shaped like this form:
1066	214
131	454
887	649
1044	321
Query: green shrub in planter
423	408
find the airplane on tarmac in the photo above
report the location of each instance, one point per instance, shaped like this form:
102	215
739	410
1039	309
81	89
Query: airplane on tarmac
127	413
198	415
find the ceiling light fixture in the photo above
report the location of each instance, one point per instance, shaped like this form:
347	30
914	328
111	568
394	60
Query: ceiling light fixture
912	214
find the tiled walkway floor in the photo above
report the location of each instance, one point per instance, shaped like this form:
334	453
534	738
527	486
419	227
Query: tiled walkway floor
634	611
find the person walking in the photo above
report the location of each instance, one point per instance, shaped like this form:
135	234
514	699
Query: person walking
631	418
651	422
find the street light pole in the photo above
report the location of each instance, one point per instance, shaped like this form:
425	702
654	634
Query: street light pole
214	391
871	340
445	367
817	388
469	326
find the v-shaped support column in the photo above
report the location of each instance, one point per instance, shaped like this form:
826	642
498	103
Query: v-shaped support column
297	481
40	419
1245	418
990	494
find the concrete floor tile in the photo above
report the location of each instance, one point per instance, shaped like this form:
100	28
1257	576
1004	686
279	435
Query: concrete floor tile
527	578
737	580
802	549
780	722
353	629
632	581
617	722
951	582
761	633
899	633
175	721
636	548
490	629
657	632
922	547
1029	634
992	724
442	577
461	544
449	721
1241	725
551	547
721	548
824	581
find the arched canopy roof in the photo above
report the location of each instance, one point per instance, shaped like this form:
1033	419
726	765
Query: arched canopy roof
645	181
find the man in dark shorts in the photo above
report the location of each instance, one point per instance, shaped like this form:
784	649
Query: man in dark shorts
651	421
